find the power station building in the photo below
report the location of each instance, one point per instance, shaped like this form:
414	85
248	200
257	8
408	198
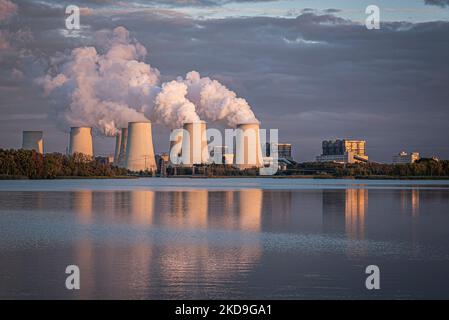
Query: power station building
406	158
343	151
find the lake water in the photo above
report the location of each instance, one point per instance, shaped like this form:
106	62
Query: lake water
161	238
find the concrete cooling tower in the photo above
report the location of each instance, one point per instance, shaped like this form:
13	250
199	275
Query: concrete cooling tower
139	147
120	147
176	144
33	140
81	141
118	141
248	153
194	144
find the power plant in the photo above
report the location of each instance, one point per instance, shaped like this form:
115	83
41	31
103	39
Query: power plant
248	153
81	141
33	140
175	144
134	148
139	147
121	140
194	144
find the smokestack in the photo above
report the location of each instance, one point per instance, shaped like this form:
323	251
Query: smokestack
139	147
194	146
33	140
248	151
81	141
120	147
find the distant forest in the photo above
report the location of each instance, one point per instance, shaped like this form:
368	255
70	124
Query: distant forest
33	165
28	164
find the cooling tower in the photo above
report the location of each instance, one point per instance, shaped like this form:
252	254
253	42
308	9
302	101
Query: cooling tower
139	147
81	141
118	142
33	140
248	153
120	147
194	146
175	145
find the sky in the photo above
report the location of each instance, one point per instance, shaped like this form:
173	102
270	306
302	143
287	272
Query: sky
309	68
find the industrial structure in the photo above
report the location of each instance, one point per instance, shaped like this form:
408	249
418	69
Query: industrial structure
406	158
121	141
139	147
343	151
248	152
194	144
33	140
81	141
221	155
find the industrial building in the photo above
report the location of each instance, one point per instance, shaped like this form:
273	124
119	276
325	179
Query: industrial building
343	151
248	152
81	141
139	147
33	140
406	158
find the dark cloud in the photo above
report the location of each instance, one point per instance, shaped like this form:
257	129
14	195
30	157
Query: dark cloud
441	3
314	77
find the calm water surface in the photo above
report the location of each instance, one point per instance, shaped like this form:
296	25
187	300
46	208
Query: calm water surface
224	238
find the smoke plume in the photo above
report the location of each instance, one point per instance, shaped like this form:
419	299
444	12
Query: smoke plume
172	108
215	102
108	88
104	90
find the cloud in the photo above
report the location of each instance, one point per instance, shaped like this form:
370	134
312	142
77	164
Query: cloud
7	10
441	3
388	86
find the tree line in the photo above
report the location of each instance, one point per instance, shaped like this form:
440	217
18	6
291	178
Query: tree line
424	167
33	165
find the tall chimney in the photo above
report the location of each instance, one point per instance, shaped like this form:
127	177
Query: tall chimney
81	141
139	147
248	150
194	146
33	140
120	147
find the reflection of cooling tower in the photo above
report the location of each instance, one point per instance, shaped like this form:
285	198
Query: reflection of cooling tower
81	141
248	151
139	147
33	140
194	147
120	147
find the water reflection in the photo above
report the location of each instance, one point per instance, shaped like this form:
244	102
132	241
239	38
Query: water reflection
410	202
179	264
203	243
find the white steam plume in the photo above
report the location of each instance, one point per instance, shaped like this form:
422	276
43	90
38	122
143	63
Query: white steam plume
172	108
215	102
108	88
104	90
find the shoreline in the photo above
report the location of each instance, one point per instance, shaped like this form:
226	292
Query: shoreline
317	177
